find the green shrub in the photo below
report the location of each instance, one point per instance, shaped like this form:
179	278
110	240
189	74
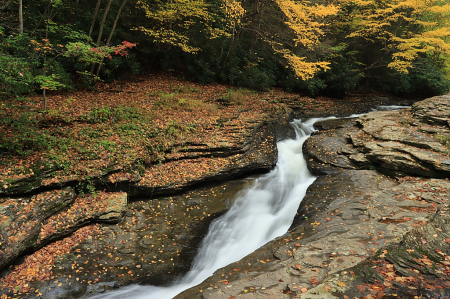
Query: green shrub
16	76
105	114
250	75
165	100
24	136
202	71
313	86
426	79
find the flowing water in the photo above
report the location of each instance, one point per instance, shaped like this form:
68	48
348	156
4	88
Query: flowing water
258	215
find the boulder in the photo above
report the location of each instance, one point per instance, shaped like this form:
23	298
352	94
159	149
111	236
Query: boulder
435	111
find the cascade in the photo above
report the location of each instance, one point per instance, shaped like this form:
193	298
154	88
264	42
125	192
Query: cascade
259	214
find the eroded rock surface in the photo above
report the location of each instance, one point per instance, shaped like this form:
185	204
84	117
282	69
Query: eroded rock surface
238	148
150	244
31	222
366	227
22	219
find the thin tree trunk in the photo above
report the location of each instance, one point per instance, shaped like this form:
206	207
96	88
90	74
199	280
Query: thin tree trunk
45	70
94	17
45	90
100	33
111	33
20	17
255	19
102	24
232	49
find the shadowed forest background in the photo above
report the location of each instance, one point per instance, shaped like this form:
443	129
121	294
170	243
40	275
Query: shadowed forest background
319	47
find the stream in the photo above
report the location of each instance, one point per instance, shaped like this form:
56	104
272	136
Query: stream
259	214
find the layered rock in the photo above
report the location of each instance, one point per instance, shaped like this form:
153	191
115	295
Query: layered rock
52	215
29	223
156	240
242	148
366	226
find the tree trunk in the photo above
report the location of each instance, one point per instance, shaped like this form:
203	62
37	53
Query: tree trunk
20	17
100	33
45	90
255	21
45	71
94	17
232	49
111	33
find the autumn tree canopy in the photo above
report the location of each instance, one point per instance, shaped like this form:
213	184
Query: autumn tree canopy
404	30
314	46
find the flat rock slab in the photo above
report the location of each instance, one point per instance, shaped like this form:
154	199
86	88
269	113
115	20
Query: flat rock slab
395	142
22	219
30	223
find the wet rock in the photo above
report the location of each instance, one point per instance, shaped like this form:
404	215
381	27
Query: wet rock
435	111
31	223
346	239
21	220
27	179
391	141
400	148
254	152
329	150
154	243
349	217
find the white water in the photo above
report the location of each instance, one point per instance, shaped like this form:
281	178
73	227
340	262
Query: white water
258	215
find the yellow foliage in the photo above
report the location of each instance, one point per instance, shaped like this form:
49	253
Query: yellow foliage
302	68
307	23
405	28
172	21
233	10
304	20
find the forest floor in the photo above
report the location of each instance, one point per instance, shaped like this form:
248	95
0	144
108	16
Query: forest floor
120	123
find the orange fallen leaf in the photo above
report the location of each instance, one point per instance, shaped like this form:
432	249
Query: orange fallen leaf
341	284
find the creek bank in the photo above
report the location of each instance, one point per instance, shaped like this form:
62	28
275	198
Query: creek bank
140	243
366	228
158	237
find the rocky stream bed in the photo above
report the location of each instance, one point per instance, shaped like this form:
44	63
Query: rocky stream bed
373	225
374	222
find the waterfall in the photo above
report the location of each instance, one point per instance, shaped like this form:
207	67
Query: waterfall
259	214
